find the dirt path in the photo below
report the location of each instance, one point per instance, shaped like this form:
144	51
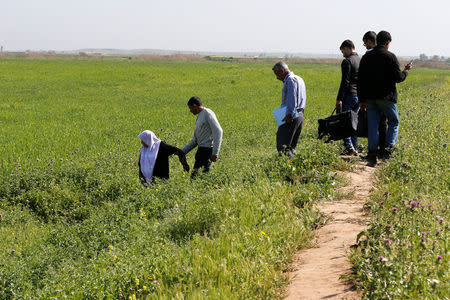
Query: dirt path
316	271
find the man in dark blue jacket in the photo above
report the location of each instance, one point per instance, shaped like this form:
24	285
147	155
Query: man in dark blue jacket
379	72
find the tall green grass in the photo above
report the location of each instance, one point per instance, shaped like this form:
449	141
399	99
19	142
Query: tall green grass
77	223
405	252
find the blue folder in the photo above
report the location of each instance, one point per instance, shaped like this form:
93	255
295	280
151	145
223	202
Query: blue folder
280	113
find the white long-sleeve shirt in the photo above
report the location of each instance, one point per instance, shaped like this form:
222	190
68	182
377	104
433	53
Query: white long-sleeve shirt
207	133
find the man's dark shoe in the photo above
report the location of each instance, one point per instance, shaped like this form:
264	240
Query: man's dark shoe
349	151
388	152
371	159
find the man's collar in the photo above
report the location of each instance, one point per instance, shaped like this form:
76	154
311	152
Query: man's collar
287	75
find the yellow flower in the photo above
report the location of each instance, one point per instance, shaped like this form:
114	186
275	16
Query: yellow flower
115	257
263	233
150	277
144	287
248	233
111	247
137	281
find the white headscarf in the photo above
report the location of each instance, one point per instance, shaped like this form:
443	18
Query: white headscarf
148	154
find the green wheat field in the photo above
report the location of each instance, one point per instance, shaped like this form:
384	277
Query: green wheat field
76	223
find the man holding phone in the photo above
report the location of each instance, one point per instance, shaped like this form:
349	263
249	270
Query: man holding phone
379	72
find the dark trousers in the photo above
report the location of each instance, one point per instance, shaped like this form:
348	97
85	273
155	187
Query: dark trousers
202	160
288	134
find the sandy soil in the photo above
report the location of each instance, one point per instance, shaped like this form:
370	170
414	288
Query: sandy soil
316	272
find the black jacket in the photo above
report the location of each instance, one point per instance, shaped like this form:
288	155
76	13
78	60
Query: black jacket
349	67
161	169
379	72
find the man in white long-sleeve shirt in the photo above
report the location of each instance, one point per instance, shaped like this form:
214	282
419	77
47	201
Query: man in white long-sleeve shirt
207	136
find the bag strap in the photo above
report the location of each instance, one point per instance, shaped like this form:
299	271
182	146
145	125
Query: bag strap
333	112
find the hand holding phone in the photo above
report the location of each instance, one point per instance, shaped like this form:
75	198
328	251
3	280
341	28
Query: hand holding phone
409	65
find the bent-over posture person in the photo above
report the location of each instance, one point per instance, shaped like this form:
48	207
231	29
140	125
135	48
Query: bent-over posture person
207	136
154	158
293	96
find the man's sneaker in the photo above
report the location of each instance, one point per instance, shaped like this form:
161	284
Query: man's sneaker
349	151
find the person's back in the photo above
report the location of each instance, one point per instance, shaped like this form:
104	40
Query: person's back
378	74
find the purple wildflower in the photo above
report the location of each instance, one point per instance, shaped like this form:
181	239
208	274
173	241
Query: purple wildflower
13	251
441	219
422	233
438	231
439	257
388	240
382	258
410	222
382	202
415	203
408	206
394	209
430	205
388	226
403	200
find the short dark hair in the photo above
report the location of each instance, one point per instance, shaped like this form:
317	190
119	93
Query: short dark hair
383	37
347	44
370	36
195	101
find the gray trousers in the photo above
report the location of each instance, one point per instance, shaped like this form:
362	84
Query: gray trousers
288	134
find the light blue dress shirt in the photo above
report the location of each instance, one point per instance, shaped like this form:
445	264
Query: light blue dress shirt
293	95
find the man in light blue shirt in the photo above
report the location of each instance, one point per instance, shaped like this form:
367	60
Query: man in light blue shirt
293	96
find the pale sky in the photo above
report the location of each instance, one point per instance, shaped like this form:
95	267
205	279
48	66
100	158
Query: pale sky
235	25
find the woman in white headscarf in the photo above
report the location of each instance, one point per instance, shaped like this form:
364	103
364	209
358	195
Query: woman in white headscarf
154	158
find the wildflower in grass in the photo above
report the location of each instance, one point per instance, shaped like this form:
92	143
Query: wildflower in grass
439	257
403	201
137	281
382	202
438	231
394	209
408	206
410	222
263	233
144	288
111	247
1	216
249	233
13	251
388	226
434	281
388	240
441	220
415	203
382	258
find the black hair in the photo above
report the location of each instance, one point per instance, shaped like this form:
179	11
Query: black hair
347	44
383	37
370	36
195	101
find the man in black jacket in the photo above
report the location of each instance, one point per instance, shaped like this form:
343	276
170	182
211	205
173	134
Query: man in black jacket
347	98
370	41
379	72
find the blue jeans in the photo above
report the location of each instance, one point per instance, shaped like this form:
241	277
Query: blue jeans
350	103
374	110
